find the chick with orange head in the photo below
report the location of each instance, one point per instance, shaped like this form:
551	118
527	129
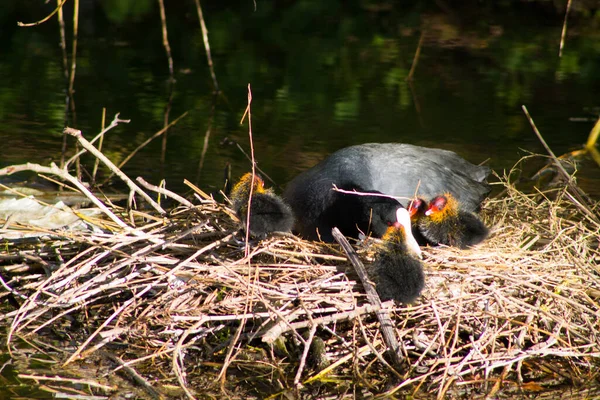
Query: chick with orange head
268	212
397	268
443	222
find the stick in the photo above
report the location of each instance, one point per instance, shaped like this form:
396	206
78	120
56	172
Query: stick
277	330
416	58
165	37
229	356
580	202
141	146
46	18
137	378
164	191
564	30
307	344
386	325
246	247
206	45
97	162
83	382
89	147
113	123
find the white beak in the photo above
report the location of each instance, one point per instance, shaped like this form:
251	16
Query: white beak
403	218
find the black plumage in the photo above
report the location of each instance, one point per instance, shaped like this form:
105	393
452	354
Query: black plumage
268	212
445	223
398	272
393	169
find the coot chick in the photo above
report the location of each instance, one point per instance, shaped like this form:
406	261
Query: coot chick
398	273
445	223
268	212
416	209
391	168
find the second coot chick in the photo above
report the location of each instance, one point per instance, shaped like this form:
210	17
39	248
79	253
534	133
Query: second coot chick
268	212
398	272
443	222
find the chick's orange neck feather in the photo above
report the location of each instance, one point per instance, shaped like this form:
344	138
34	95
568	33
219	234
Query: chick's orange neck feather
245	182
450	209
395	233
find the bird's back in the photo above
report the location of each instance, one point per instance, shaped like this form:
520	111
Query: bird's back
391	168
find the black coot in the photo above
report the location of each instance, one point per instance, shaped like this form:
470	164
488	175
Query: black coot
398	272
360	211
443	222
391	168
268	212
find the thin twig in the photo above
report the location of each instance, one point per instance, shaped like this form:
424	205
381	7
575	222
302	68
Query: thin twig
164	191
416	57
116	121
97	161
249	113
135	188
165	36
206	45
41	21
563	33
579	201
145	143
74	381
357	193
140	380
74	47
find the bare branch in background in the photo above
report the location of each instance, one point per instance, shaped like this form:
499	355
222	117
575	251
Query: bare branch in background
207	45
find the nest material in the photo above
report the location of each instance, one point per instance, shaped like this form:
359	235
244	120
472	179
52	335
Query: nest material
178	303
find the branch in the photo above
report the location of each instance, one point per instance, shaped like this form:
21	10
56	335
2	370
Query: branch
576	196
113	123
164	192
386	324
89	147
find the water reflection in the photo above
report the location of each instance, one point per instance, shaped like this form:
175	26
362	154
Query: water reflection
323	76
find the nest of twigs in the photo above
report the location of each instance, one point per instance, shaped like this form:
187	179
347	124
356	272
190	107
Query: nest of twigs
177	305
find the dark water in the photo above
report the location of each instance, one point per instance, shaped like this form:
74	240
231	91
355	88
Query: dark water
323	74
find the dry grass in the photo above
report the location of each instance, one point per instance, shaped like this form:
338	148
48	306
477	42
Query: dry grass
175	306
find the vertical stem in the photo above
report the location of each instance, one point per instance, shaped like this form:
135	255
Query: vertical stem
564	30
247	247
71	91
65	61
206	45
163	20
74	46
165	37
416	57
99	145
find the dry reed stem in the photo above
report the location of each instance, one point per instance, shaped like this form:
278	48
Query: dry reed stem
520	309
